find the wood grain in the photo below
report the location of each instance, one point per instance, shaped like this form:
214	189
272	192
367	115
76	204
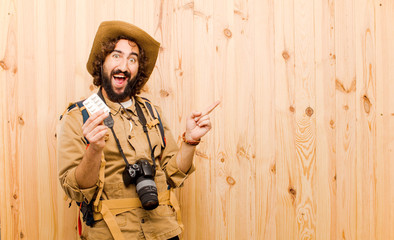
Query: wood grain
366	119
346	142
301	145
285	121
326	184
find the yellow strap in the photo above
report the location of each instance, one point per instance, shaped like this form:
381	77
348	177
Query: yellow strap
108	209
117	206
153	123
101	182
175	205
111	223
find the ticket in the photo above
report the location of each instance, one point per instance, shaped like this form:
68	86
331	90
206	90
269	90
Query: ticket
94	104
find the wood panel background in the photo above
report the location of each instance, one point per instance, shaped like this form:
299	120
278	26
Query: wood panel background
303	142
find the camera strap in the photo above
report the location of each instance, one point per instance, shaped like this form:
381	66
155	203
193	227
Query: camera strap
109	122
142	120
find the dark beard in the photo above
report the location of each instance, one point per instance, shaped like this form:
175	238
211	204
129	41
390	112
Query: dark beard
112	95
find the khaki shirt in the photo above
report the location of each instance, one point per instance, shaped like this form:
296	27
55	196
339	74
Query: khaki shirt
138	223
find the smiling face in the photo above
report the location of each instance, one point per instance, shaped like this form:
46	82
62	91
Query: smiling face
120	69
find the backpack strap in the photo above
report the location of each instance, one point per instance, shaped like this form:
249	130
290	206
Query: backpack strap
82	108
156	120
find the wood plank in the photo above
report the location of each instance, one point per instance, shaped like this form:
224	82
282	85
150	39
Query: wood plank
46	191
242	168
209	208
305	105
82	37
286	177
262	17
366	118
346	119
9	166
66	79
324	17
384	120
25	112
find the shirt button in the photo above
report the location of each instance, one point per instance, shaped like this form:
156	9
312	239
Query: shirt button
122	111
129	136
142	220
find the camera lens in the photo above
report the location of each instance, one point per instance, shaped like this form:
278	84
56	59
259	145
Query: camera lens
147	192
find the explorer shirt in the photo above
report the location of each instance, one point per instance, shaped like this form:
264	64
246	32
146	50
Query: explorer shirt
138	223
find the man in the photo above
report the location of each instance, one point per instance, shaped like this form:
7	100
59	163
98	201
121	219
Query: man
95	160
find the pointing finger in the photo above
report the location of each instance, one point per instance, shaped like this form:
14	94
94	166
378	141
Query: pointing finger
210	108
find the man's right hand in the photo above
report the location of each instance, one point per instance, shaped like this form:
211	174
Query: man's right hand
94	130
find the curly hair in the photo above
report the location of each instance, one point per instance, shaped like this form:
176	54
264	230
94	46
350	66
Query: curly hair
108	47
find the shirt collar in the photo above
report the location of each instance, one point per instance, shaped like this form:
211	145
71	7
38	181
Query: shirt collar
116	107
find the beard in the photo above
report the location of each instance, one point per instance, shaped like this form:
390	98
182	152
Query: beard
112	95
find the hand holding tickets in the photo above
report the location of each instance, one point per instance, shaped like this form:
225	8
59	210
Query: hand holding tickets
94	130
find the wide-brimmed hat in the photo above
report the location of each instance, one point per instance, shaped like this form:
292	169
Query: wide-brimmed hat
113	29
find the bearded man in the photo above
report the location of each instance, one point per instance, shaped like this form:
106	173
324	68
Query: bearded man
121	166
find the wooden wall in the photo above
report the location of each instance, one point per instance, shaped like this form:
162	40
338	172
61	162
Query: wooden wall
303	142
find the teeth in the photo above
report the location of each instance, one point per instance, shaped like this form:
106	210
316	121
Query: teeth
119	76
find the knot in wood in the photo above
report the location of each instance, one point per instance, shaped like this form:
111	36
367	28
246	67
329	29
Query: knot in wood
309	111
367	104
292	109
230	180
293	192
164	93
3	65
273	168
285	55
332	123
21	121
227	33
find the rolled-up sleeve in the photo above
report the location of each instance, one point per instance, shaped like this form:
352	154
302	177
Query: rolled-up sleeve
71	147
175	177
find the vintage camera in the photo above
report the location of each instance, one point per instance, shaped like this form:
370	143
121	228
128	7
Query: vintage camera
142	174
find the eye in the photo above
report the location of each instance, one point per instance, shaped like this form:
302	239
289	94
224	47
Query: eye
132	60
115	55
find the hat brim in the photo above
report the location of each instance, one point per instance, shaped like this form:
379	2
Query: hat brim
113	29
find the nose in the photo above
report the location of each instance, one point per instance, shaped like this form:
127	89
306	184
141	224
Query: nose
123	65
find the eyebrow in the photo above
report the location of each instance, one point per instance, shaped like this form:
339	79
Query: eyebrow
132	53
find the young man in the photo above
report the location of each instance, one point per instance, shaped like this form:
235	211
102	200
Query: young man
100	167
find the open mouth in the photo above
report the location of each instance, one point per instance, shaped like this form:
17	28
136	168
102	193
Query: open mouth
120	79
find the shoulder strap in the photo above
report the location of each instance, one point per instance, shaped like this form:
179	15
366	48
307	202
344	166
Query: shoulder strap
156	120
82	108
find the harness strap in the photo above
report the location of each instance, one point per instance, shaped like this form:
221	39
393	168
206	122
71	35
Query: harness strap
101	181
82	108
156	120
108	209
111	223
175	205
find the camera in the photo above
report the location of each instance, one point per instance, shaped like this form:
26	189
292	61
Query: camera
142	174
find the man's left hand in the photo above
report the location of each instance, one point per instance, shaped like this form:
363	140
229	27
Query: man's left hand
198	123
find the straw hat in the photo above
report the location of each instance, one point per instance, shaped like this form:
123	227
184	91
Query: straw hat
112	29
